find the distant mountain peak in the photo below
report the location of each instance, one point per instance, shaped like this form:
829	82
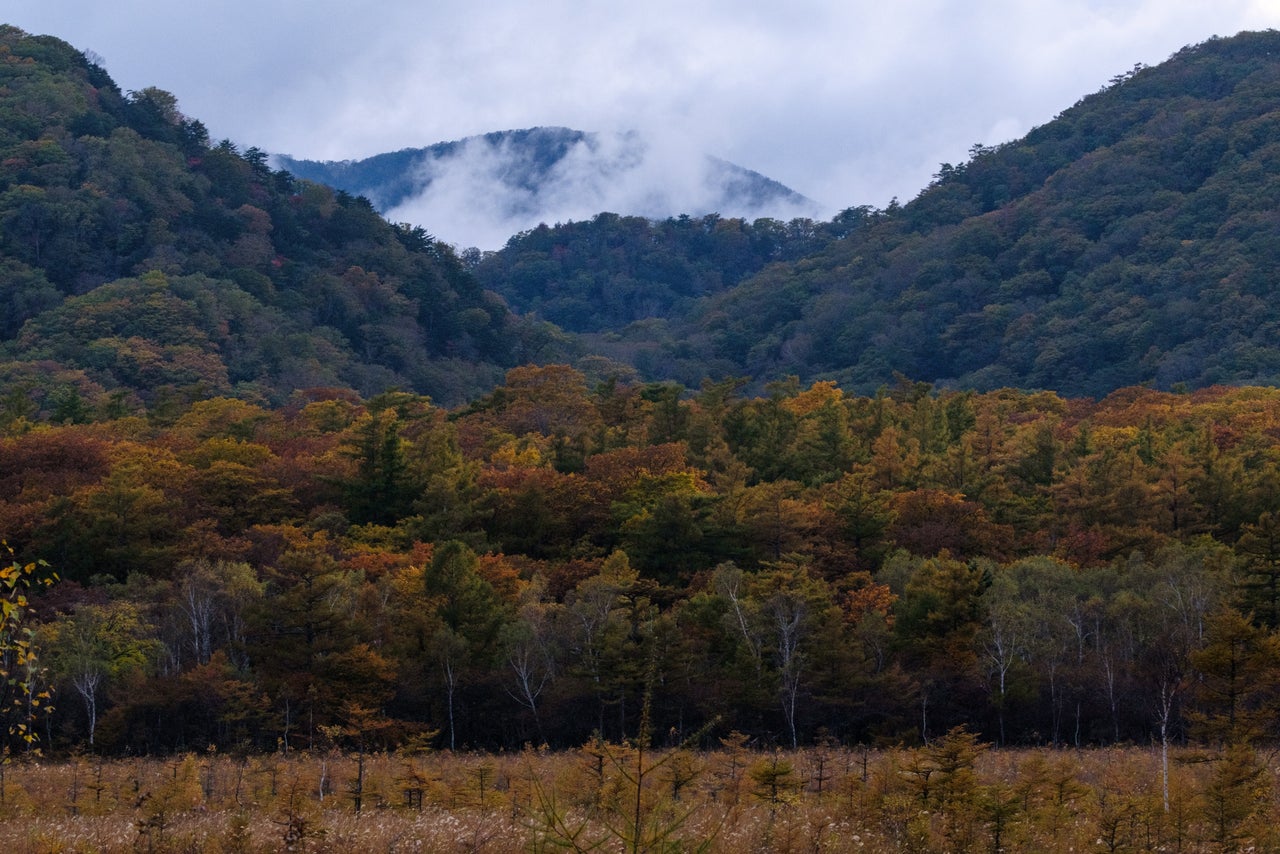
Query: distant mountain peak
482	189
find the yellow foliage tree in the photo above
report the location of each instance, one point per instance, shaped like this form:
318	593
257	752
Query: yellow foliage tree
20	673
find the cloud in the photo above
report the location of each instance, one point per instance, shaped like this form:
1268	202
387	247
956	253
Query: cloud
479	195
848	102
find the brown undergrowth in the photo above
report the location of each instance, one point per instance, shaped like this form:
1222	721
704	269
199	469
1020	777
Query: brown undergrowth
953	795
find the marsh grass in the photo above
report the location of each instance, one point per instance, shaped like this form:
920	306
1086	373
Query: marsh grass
733	799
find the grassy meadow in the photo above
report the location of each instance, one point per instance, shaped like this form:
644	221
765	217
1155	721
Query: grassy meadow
953	795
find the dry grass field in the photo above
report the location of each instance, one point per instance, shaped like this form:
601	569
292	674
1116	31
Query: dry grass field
952	796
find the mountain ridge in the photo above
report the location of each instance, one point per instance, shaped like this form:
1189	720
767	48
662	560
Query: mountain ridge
554	174
1129	241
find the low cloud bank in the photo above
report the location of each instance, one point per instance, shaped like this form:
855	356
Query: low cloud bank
488	188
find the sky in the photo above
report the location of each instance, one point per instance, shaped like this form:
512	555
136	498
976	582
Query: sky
849	102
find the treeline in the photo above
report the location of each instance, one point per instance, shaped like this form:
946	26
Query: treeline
535	566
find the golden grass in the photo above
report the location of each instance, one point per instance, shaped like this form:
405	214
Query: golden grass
733	800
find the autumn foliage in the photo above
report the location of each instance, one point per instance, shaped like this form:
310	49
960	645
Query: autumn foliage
882	569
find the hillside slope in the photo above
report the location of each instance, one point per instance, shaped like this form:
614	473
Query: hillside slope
1131	240
612	271
136	257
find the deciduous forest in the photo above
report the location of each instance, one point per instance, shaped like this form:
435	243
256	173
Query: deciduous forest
529	568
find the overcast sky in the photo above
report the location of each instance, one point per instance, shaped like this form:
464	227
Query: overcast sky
847	101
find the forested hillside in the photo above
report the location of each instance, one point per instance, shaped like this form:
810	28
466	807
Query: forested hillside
1130	240
613	271
140	262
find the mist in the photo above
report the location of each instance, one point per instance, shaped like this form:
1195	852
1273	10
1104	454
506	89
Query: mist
483	193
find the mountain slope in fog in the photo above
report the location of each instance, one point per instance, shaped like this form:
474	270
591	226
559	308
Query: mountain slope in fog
481	190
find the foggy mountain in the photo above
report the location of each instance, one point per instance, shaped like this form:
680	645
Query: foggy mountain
1130	240
481	190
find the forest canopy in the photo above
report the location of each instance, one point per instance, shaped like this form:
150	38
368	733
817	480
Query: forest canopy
531	566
